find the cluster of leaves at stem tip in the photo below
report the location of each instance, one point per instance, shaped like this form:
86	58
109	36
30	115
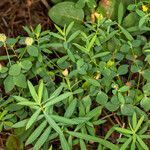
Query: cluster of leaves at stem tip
64	87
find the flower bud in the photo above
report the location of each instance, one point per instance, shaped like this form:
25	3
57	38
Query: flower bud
29	41
98	16
3	37
65	72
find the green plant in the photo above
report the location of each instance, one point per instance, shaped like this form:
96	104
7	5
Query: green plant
134	136
71	89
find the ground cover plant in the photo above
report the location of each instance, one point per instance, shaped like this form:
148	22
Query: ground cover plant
86	86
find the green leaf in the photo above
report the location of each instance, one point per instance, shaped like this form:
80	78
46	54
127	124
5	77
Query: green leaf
93	138
33	92
121	98
139	123
26	64
126	144
20	124
38	30
28	103
122	130
36	133
70	54
15	70
102	98
124	88
33	51
143	20
53	124
73	36
60	30
146	89
82	145
83	49
91	44
42	139
94	112
134	120
56	92
127	109
71	108
57	99
8	84
20	81
40	90
69	28
100	54
19	98
64	120
143	145
64	144
120	12
6	57
126	33
145	103
63	16
33	119
123	69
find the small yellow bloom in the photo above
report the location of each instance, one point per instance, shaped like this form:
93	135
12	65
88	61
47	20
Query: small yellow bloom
98	16
65	72
110	63
3	37
97	76
144	8
29	41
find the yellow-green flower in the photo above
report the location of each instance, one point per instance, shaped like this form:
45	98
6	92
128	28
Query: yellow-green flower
65	72
98	16
144	8
3	37
29	41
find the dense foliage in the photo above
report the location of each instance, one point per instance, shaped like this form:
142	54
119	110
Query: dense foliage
60	89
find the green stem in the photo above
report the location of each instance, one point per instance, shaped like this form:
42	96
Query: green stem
7	53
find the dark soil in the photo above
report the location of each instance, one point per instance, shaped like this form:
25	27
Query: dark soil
17	13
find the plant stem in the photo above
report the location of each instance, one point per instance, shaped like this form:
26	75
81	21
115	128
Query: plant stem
7	53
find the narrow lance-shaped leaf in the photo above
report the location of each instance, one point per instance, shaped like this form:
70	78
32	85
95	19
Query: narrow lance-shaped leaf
53	124
42	139
143	145
64	144
126	144
33	119
33	92
139	123
40	90
95	139
91	44
36	133
126	131
126	33
120	12
57	99
69	28
73	36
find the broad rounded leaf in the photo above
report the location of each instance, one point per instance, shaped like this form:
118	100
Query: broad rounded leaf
102	98
66	12
20	81
15	70
26	64
145	103
8	84
32	50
